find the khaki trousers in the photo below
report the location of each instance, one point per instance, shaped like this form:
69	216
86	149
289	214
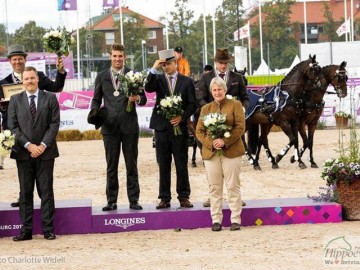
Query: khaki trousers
220	170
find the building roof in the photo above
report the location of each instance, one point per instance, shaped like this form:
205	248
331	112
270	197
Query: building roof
315	12
107	22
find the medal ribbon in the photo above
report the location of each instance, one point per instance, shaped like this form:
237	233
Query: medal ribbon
170	84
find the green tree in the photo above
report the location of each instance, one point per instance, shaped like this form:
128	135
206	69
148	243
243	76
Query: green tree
31	36
228	21
183	31
3	40
86	37
278	31
3	34
134	32
179	21
330	25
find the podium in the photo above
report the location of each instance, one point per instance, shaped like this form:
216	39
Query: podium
80	217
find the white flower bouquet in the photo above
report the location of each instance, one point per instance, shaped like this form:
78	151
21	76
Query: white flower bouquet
171	107
215	124
7	141
58	41
133	84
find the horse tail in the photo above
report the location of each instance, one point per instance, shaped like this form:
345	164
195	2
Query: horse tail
253	137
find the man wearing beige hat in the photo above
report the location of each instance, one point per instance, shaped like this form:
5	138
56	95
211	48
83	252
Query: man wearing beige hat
168	144
17	59
234	82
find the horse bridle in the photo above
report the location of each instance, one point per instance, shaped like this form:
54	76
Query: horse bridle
340	75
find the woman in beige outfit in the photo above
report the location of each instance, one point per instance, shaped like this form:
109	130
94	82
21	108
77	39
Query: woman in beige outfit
223	168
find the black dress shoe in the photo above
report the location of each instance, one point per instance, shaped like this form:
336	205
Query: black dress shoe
15	204
109	207
49	236
216	227
135	206
163	204
23	236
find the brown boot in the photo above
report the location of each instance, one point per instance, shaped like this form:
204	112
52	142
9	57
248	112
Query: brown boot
207	203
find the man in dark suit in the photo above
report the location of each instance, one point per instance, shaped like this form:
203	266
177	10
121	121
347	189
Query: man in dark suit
17	59
167	143
120	129
34	118
234	82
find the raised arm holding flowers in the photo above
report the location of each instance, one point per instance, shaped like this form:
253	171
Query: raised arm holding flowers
58	41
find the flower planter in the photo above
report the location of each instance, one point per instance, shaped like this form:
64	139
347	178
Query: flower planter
349	198
341	122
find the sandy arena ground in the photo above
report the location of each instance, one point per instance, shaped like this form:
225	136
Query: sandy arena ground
80	173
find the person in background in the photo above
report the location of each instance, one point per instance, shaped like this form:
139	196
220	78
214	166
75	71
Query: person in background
17	60
34	118
120	129
167	144
183	65
234	82
223	168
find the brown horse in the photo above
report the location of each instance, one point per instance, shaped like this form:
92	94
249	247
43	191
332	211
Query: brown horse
313	107
286	118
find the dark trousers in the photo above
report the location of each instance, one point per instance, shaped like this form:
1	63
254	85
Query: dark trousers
168	145
129	144
40	172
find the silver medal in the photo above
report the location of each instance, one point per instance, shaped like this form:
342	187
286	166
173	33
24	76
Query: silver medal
116	93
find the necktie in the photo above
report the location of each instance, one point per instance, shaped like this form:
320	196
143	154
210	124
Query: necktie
222	75
32	106
17	79
171	83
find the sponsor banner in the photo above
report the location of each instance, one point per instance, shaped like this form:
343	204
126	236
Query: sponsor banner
75	100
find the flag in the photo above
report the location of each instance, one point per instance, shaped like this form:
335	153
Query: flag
110	3
344	28
243	32
67	5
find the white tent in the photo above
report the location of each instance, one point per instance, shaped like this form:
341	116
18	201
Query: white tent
263	69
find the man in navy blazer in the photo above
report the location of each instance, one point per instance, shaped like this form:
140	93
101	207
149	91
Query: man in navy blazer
34	118
169	145
120	129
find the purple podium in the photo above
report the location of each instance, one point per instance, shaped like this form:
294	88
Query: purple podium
78	216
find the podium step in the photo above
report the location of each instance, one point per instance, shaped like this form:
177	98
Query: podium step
79	217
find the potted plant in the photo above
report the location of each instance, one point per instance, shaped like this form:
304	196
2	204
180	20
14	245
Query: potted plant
342	177
342	119
342	174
